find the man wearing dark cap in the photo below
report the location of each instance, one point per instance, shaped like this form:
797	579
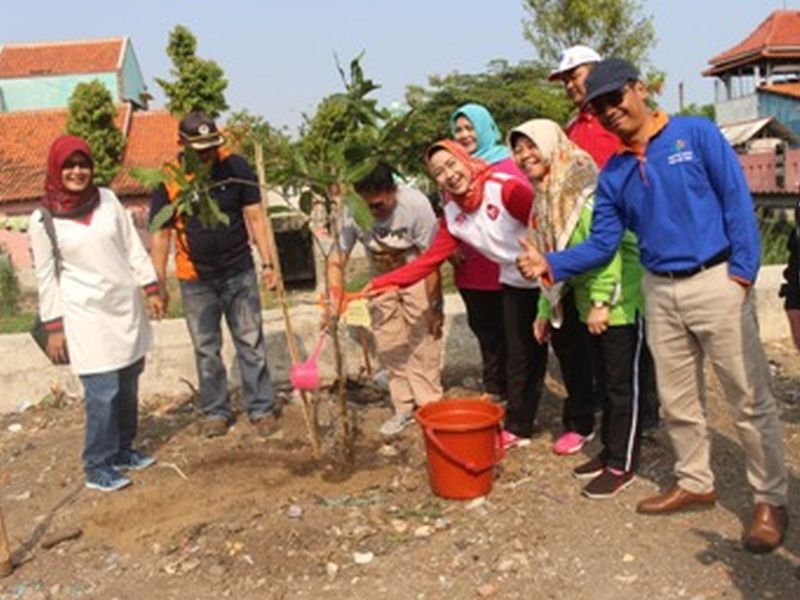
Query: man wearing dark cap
217	277
678	185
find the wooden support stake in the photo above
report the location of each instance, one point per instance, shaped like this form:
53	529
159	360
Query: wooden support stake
6	567
307	413
362	337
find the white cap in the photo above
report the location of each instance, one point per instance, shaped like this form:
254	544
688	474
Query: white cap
573	57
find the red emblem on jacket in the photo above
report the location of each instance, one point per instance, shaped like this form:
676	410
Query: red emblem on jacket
492	211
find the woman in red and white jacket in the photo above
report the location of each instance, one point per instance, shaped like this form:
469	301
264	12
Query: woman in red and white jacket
490	211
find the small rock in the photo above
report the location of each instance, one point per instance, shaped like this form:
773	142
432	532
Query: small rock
487	590
388	450
399	525
331	570
442	523
363	558
476	503
295	511
423	531
26	495
15	427
628	558
512	562
189	565
626	578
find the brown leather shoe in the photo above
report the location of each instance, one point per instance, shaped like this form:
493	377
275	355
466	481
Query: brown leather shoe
212	427
266	426
767	528
676	499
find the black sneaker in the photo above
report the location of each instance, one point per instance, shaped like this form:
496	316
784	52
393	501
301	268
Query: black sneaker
132	460
590	469
608	484
106	479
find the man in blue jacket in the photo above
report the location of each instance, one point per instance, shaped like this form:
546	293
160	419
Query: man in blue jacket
678	185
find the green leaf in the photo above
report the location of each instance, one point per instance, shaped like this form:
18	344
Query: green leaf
359	209
217	217
162	216
306	201
361	170
149	178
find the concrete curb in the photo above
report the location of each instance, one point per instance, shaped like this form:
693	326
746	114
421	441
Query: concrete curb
27	377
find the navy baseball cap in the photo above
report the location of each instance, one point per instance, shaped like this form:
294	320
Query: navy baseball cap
609	75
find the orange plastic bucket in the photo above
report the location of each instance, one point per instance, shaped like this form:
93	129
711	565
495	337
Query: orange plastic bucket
462	440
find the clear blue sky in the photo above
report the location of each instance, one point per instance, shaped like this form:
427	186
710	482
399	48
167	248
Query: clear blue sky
278	54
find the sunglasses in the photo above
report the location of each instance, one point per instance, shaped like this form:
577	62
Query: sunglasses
81	163
609	100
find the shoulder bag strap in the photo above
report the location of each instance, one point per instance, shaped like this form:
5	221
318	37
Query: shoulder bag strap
50	230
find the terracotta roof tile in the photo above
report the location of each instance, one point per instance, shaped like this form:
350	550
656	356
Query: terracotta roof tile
152	141
777	36
25	139
784	89
59	58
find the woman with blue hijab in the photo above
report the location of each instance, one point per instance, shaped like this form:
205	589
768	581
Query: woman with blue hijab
474	128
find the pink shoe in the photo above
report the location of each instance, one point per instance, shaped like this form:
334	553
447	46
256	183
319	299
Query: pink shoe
509	440
571	442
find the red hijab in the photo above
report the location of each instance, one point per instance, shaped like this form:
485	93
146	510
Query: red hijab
479	172
57	199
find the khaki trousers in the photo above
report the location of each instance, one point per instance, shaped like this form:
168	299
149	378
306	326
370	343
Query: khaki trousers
406	348
710	315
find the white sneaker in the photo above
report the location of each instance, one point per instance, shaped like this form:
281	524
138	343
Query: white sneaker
395	424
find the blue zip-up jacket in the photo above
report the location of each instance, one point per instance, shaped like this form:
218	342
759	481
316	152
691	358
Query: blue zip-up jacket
685	198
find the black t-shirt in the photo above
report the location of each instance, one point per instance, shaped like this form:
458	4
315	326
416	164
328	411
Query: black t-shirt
224	250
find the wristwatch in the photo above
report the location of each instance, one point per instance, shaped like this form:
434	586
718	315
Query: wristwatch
600	304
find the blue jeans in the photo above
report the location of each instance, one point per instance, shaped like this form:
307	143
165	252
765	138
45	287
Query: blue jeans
204	303
112	413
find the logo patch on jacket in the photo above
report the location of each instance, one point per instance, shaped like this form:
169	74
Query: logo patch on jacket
680	153
492	211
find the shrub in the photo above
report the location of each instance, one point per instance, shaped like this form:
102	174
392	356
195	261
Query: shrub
9	284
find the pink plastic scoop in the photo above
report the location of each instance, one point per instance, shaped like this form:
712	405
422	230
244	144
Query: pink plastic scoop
304	376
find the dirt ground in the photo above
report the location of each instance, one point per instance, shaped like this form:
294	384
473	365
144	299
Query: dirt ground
238	517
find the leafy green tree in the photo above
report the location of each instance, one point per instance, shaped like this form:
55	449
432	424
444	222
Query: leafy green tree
612	27
91	116
199	84
244	130
513	94
701	110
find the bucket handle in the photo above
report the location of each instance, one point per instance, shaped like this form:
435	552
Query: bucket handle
471	466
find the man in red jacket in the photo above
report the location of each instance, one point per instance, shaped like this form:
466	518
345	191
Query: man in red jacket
584	129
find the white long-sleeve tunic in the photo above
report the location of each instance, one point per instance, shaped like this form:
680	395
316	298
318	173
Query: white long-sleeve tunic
99	294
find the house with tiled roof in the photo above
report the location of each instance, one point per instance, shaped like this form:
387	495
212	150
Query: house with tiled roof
36	81
43	75
757	104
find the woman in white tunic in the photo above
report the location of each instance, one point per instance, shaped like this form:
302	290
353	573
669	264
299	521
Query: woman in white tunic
93	278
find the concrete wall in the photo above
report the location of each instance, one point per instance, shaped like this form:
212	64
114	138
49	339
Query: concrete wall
26	376
737	110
